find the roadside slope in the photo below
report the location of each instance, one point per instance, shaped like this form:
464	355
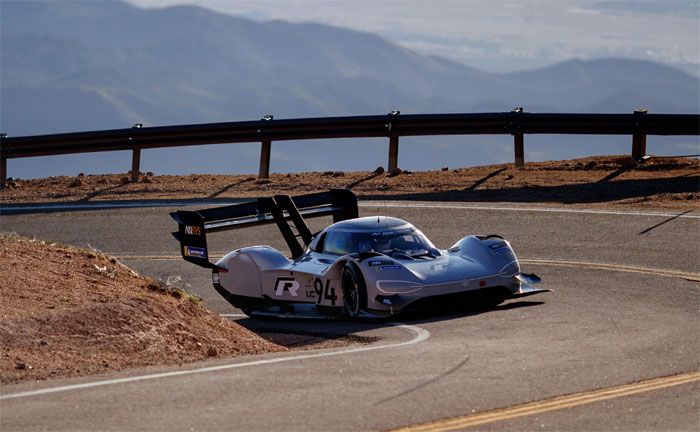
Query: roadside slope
67	311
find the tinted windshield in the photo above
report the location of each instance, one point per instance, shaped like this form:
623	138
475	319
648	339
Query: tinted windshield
409	241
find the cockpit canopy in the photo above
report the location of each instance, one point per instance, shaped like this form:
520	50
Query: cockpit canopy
373	234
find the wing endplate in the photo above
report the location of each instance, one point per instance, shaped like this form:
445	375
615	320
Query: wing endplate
194	225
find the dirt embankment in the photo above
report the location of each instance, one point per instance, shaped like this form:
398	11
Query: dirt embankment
67	311
672	183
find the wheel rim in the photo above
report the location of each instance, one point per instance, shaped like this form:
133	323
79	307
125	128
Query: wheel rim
351	296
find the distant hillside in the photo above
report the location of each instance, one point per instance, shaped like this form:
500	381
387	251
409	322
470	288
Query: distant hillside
79	65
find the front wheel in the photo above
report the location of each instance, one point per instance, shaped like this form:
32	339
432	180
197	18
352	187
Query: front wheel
354	291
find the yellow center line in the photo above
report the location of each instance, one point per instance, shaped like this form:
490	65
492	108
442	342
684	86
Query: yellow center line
557	403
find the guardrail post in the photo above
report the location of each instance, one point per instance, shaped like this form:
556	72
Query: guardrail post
264	172
393	153
265	149
518	141
135	164
393	162
3	162
639	140
3	172
135	157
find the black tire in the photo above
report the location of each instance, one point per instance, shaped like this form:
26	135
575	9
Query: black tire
354	291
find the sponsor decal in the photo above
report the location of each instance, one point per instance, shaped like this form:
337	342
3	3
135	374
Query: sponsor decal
193	230
499	247
437	267
392	233
287	284
192	251
309	288
390	267
215	278
379	263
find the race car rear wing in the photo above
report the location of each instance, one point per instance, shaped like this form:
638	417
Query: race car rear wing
193	226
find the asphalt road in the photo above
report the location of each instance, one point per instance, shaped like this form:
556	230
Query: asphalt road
623	312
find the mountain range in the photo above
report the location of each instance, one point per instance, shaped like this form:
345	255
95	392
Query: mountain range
78	65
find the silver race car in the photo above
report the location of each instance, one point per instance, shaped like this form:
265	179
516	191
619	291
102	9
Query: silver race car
360	267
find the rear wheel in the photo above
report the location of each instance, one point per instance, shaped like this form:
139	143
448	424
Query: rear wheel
354	291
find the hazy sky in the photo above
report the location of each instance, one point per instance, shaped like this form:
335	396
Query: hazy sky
500	34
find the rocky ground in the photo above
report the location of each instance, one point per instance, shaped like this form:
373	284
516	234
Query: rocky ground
609	181
67	311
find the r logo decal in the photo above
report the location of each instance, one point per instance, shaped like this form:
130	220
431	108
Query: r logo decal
286	284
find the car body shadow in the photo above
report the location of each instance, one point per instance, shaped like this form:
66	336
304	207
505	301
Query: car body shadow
347	329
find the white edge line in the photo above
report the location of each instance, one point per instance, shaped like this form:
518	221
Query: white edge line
522	209
421	334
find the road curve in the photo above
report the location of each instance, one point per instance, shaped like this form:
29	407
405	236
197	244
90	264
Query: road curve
618	332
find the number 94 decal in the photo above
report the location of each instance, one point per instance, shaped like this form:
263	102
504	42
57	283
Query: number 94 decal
324	292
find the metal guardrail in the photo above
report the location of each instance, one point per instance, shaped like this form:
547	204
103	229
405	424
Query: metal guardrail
517	123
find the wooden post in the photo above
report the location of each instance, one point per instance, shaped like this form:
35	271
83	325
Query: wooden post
3	172
265	148
639	140
519	142
135	164
393	153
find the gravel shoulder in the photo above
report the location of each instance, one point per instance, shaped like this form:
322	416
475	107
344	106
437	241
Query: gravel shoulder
603	181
